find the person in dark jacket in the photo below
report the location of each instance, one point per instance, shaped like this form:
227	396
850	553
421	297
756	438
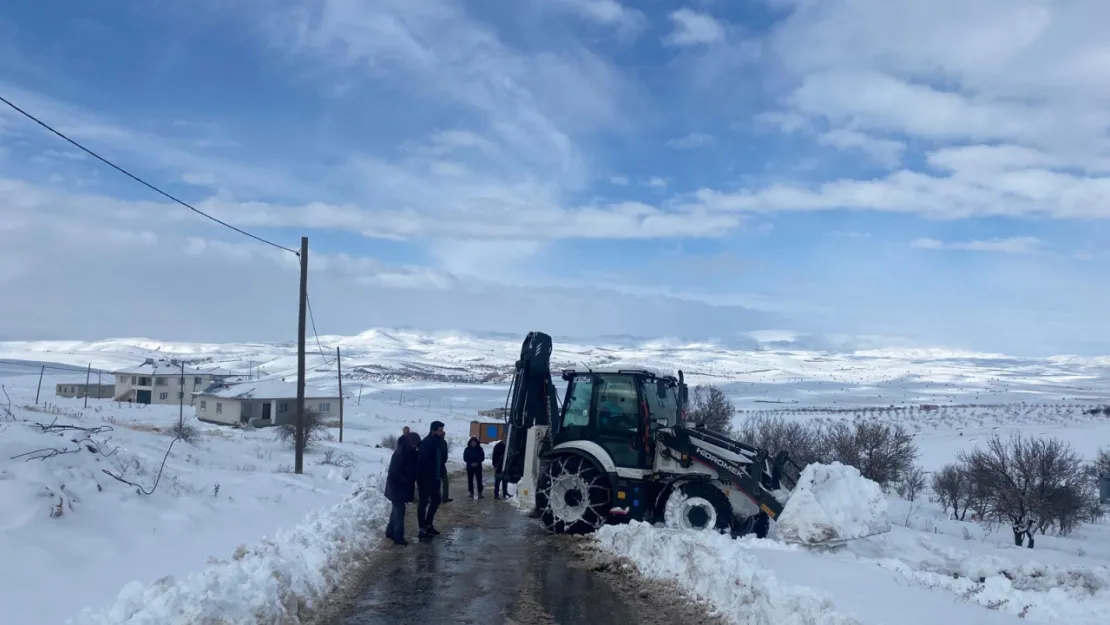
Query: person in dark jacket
500	486
445	480
429	479
400	486
474	456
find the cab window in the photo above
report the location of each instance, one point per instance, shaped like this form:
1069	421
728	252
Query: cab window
617	409
577	412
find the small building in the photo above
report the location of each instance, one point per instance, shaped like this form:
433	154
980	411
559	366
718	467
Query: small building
262	403
1104	489
164	382
78	388
494	413
487	432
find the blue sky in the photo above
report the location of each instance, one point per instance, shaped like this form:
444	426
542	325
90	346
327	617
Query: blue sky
896	171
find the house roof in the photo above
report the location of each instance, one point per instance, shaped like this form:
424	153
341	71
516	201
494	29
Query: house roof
166	368
269	389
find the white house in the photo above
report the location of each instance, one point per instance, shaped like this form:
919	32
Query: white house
262	403
162	382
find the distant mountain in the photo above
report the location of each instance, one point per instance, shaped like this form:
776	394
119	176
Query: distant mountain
777	367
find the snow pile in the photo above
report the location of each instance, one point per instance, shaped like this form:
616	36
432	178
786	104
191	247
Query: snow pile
276	581
832	502
716	569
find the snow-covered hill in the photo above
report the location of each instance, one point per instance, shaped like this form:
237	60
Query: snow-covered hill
769	373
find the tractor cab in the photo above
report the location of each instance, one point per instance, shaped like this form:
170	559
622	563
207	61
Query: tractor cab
620	410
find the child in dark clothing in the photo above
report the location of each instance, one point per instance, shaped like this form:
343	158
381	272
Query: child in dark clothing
500	486
474	456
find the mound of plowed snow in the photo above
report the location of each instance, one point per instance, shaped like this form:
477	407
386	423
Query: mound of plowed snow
832	502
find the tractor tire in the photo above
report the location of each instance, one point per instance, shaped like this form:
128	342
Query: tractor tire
698	506
573	496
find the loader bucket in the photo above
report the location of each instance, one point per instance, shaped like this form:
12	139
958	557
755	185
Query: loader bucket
832	504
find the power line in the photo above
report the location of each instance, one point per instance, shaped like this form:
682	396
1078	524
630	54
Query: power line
140	180
315	333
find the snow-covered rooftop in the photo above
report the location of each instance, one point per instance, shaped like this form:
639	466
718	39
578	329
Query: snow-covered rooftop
269	389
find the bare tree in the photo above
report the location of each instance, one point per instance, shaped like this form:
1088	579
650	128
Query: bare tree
912	483
953	489
882	452
803	440
713	409
315	428
1034	484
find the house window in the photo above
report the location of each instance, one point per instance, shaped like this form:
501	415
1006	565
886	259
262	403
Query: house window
163	395
159	381
283	407
203	405
325	407
144	381
197	381
133	378
219	407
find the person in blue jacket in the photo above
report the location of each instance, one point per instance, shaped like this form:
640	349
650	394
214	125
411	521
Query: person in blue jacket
474	456
400	487
429	479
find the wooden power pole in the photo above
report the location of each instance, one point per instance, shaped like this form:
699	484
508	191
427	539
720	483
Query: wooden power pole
299	442
181	403
39	389
88	377
339	372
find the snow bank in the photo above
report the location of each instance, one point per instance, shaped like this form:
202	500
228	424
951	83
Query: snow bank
832	502
271	582
1036	591
717	569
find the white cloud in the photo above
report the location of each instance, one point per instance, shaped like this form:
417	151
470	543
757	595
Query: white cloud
885	152
692	28
619	180
690	141
605	12
1010	245
656	182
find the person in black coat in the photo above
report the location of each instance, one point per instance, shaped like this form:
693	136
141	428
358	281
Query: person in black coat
400	487
474	456
429	478
445	481
500	486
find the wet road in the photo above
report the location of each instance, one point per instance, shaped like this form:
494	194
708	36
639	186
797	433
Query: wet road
493	565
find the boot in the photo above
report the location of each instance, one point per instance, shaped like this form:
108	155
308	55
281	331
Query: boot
431	531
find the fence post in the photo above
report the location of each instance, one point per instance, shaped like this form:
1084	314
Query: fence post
41	371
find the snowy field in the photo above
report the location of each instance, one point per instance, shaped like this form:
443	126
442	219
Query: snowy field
230	530
80	535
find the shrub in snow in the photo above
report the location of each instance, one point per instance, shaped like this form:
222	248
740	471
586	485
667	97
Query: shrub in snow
315	429
912	483
279	580
718	570
882	452
803	440
833	502
713	408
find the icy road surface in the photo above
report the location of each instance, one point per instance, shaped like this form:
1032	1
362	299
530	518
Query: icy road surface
494	566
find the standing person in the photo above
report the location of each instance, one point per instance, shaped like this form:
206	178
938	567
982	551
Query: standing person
444	481
499	483
474	456
429	478
400	487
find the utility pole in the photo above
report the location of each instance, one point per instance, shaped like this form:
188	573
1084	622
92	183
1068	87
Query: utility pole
401	398
88	376
339	371
41	371
181	403
299	441
99	385
359	394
